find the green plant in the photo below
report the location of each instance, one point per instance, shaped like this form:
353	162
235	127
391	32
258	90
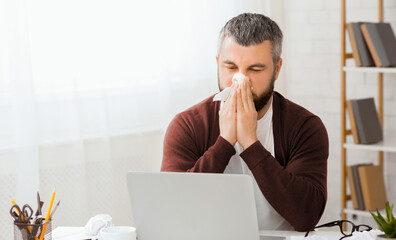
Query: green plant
388	225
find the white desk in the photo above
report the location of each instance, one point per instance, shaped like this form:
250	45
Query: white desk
293	235
68	233
77	233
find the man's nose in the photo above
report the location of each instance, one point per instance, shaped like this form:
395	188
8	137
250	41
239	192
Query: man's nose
245	74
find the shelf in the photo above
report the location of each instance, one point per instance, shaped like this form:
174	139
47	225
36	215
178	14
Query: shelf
370	69
388	145
362	212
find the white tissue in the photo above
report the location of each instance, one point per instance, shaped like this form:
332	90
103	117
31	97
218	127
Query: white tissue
366	235
223	95
95	224
238	77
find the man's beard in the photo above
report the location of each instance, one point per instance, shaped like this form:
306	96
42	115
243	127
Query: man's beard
262	100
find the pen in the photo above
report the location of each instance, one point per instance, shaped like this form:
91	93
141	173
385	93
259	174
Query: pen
53	211
48	214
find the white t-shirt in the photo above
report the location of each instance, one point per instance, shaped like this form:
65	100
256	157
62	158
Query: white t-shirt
268	218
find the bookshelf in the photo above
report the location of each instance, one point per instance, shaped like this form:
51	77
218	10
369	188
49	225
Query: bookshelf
362	213
370	69
388	144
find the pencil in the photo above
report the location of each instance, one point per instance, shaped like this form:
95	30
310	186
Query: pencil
13	203
48	214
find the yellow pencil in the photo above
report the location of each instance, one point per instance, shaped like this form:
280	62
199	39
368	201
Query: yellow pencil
13	203
48	214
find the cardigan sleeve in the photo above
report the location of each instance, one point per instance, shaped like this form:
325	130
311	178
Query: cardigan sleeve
298	191
181	154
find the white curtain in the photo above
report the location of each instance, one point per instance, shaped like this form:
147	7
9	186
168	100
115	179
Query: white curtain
87	88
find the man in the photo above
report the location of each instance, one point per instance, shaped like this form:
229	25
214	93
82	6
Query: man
256	131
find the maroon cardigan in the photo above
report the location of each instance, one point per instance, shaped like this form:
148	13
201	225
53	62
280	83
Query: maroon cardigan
294	182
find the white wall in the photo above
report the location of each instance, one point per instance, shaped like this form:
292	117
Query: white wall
313	79
86	186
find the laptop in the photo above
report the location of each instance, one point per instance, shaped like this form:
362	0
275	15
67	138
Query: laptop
193	206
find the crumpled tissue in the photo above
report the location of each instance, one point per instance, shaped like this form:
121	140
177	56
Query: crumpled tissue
223	95
96	223
366	235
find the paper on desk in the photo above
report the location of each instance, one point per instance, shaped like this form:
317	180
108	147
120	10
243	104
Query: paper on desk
69	233
96	223
90	231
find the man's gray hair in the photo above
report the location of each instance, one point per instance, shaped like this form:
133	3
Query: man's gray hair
251	29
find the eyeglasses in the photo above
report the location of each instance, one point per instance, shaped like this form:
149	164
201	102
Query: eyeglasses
349	225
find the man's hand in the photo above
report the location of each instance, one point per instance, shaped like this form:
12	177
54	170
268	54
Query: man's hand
246	115
228	117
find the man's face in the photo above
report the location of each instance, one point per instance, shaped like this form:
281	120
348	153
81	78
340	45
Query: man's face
255	62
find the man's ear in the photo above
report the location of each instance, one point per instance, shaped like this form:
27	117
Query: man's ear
278	68
217	59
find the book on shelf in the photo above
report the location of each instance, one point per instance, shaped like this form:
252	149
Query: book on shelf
365	124
355	186
352	187
373	187
367	188
381	42
353	122
360	50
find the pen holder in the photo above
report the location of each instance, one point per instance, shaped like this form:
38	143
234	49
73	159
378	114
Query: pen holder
25	231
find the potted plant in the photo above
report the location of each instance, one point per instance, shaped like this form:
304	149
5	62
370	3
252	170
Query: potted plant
388	225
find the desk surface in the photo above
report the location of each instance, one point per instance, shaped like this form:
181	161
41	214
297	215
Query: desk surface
277	233
293	235
77	233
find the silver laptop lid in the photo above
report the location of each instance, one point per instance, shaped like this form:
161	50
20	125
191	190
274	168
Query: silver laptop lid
193	206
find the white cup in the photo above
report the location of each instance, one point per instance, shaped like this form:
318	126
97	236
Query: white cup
118	233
